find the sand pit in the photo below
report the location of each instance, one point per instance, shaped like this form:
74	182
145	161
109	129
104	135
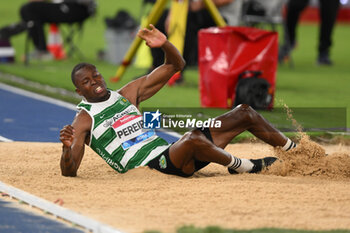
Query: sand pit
308	190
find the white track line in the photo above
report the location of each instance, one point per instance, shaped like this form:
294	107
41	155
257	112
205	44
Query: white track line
37	96
56	210
3	139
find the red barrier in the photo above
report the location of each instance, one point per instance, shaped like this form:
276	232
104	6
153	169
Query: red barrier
226	52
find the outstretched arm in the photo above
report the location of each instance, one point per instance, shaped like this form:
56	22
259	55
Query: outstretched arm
146	86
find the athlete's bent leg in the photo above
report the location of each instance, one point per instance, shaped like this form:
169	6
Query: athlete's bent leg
195	146
194	150
242	118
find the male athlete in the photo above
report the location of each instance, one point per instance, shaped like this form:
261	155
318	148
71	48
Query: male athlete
111	124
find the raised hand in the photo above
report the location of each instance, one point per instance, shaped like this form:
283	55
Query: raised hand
67	135
153	37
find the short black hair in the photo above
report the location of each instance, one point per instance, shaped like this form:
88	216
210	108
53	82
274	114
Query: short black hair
78	67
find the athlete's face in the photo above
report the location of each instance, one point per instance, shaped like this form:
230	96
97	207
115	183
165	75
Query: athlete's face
90	84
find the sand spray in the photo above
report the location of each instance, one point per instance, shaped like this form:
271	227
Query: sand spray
309	158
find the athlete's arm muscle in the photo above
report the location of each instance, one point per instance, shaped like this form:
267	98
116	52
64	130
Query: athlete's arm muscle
146	86
73	138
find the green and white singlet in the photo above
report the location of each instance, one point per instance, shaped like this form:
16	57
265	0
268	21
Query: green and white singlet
117	133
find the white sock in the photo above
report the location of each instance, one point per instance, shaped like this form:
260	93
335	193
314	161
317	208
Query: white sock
240	165
289	145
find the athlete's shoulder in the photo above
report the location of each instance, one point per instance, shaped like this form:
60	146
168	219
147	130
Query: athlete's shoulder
130	91
82	116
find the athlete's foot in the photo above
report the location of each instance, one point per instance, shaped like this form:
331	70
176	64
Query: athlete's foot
259	165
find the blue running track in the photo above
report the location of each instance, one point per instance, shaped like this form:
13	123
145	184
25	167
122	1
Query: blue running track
13	219
25	116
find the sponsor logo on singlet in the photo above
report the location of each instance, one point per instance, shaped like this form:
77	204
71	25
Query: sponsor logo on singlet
111	121
129	130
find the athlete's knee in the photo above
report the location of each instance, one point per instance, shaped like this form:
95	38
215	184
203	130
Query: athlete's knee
248	114
189	168
194	138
